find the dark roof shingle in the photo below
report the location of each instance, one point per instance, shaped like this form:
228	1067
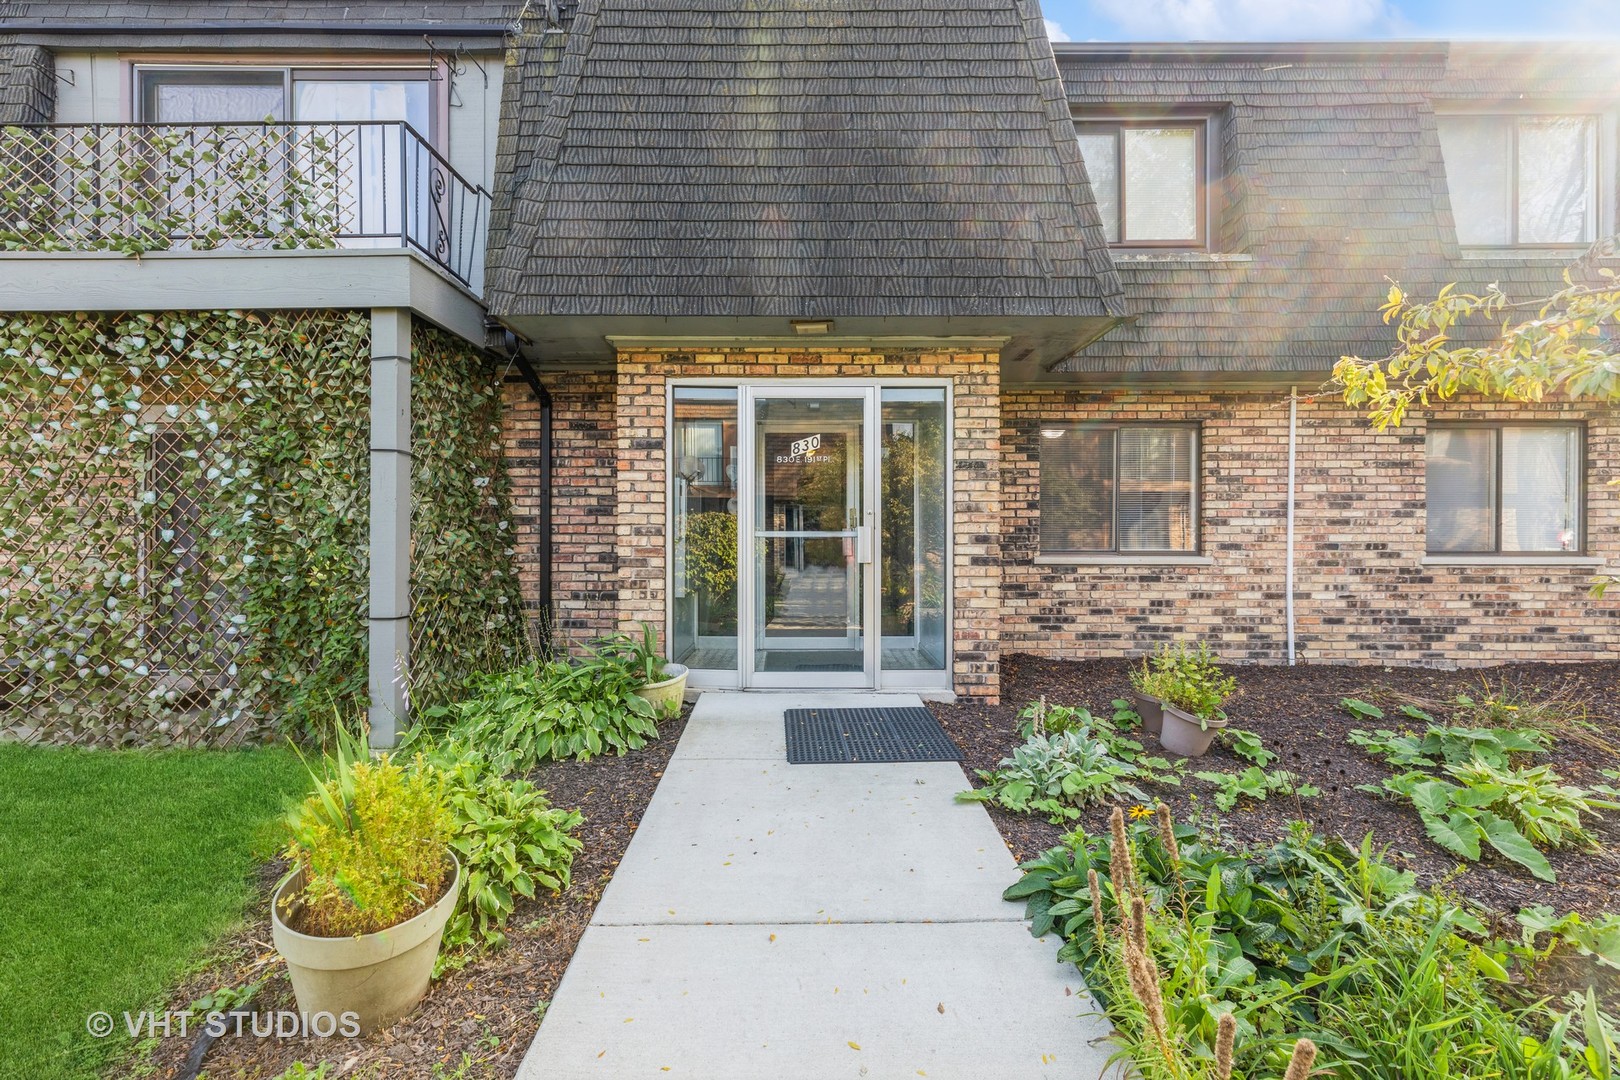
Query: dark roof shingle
1333	182
799	157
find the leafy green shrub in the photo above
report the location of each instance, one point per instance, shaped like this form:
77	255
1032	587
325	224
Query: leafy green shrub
1187	678
1247	745
552	711
511	842
1212	961
1254	783
372	843
1039	718
1598	937
1466	787
1057	773
639	655
1512	809
1450	744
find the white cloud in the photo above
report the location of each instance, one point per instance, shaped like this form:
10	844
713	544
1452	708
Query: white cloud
1246	20
1056	32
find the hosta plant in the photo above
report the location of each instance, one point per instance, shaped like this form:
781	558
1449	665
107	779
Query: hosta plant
1255	784
512	843
1512	809
552	711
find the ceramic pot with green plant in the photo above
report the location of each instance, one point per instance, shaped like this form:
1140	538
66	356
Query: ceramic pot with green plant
664	687
1193	688
1146	697
360	917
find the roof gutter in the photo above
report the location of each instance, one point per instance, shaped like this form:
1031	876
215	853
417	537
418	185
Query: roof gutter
1253	50
414	29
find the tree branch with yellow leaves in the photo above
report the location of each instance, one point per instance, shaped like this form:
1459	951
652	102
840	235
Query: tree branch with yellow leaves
1563	345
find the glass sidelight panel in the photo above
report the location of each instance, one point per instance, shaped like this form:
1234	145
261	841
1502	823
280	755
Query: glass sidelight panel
913	530
809	585
703	527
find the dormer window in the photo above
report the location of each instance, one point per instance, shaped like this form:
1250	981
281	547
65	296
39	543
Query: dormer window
1521	181
1149	180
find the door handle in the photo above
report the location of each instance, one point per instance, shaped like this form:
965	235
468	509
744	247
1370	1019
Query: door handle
863	542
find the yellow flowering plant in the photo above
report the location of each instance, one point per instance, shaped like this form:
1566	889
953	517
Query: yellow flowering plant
372	842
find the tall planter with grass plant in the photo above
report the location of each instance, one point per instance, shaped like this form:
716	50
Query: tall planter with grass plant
374	879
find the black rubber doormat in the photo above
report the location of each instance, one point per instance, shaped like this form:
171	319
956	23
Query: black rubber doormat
858	736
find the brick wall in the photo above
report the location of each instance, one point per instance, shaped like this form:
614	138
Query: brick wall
640	408
1362	591
584	579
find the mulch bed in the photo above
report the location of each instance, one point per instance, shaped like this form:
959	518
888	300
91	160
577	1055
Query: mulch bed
482	1017
1296	712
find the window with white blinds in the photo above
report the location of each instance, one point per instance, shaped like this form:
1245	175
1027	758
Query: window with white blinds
1148	180
1504	489
1119	488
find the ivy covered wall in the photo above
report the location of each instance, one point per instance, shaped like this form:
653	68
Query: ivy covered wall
183	524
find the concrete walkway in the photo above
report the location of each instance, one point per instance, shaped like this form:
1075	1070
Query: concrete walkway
806	922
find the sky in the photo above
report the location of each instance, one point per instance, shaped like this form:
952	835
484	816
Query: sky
1290	20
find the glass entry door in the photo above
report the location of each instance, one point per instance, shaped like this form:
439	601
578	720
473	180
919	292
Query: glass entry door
811	526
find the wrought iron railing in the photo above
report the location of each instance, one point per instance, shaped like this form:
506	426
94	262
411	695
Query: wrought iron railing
165	187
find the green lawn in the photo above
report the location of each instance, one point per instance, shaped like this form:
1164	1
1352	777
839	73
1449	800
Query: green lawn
117	871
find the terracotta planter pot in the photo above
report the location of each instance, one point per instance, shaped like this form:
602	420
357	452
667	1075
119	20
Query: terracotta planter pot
1151	710
379	977
1184	735
665	697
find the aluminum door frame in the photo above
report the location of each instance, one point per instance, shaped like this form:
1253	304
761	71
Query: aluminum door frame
748	498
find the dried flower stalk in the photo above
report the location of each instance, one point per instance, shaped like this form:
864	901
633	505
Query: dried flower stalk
1096	908
1299	1066
1139	924
1120	870
1167	834
1225	1035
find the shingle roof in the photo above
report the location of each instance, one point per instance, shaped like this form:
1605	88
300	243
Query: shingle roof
125	15
1334	182
801	158
27	84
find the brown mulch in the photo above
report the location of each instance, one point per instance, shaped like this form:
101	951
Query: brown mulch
481	1017
1296	712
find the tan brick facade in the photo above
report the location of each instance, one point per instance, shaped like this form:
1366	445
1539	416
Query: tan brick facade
584	577
1363	593
640	409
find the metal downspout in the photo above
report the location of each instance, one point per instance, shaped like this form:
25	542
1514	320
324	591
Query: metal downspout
1293	443
544	544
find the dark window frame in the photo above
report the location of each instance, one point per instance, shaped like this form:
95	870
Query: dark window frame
1595	171
1496	427
1195	496
1091	125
